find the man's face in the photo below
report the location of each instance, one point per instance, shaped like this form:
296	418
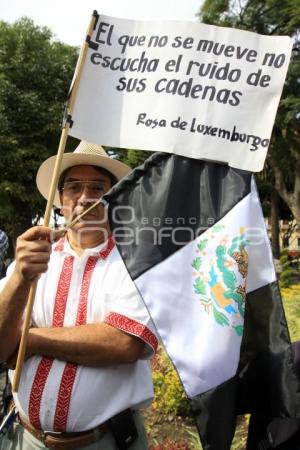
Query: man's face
83	186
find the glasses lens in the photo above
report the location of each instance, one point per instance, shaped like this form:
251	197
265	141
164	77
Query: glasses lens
73	188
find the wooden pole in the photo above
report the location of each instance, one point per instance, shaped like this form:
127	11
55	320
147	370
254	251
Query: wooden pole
62	231
60	152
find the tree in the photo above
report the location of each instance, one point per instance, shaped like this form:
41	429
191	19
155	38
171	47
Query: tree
35	75
262	16
132	158
272	17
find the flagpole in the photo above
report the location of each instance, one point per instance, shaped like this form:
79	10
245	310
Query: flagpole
55	176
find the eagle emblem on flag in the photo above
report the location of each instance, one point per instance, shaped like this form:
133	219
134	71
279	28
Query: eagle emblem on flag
220	268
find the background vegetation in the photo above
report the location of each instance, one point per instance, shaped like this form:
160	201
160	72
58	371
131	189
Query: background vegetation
35	75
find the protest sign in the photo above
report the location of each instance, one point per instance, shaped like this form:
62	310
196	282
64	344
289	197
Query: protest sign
187	88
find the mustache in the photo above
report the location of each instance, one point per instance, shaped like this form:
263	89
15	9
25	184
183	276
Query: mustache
77	213
79	210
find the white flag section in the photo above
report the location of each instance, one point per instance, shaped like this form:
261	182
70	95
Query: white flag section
200	317
187	88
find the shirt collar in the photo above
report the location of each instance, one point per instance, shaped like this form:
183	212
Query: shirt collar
102	250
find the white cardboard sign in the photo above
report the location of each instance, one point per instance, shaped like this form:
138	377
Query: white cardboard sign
187	88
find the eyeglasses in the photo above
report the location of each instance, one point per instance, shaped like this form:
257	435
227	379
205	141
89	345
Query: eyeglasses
74	188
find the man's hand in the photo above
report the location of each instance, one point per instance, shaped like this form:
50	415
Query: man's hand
33	251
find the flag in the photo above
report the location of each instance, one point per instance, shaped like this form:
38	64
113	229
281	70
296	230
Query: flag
193	238
3	244
3	249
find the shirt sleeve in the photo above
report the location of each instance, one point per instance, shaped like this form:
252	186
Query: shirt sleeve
9	271
129	313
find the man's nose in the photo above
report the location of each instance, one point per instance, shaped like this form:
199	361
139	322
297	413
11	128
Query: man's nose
86	196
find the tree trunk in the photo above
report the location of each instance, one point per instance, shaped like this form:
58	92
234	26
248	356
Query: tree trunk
292	198
275	223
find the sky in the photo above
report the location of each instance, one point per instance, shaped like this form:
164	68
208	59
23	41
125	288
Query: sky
68	19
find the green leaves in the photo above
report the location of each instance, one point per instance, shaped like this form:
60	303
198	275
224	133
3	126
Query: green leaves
202	245
234	245
239	329
229	279
218	227
200	286
220	317
35	75
262	16
196	264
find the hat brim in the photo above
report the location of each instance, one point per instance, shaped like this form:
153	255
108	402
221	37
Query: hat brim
45	172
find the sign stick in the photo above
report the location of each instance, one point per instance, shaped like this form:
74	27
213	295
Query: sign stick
60	152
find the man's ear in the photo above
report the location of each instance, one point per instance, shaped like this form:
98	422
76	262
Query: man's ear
58	211
61	202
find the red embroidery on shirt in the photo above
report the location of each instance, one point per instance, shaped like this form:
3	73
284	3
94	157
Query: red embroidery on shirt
64	397
45	364
69	374
106	251
132	327
37	391
62	292
82	307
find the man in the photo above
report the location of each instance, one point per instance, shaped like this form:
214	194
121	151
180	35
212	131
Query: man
3	249
90	333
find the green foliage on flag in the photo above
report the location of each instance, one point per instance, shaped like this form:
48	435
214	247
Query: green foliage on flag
220	317
197	263
200	286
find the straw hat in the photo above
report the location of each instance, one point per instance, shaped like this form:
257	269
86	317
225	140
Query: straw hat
85	154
